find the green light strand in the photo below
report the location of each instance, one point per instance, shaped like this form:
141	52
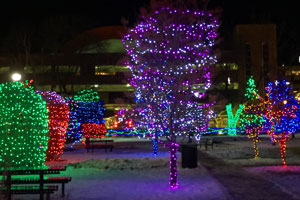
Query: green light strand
251	87
87	96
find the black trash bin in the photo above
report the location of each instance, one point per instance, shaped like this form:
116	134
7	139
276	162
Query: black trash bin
189	155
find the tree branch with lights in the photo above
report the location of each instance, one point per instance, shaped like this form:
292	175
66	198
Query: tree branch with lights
252	116
170	57
280	114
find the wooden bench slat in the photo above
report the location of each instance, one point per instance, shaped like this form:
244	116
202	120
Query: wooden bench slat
37	180
31	189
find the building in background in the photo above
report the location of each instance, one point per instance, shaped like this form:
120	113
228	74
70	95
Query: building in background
95	59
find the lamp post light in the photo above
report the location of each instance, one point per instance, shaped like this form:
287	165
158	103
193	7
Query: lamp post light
16	76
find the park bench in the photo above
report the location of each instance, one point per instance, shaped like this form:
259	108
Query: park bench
106	144
207	142
33	185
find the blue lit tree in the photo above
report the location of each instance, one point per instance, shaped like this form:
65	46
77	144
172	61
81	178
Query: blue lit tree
86	116
171	54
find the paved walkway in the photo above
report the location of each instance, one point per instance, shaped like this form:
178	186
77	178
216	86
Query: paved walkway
241	184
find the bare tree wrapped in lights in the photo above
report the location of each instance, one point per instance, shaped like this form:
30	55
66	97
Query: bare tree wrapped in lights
280	114
171	54
252	117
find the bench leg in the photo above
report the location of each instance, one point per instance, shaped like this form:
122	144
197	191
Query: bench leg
63	190
41	187
8	185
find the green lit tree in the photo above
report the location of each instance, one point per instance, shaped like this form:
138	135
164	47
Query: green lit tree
23	127
251	119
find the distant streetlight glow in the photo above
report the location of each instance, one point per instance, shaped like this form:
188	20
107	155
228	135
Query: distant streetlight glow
16	77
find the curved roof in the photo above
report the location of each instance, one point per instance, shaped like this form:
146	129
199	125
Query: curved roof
94	36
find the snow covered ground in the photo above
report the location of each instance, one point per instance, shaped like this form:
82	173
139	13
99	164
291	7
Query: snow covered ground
227	172
130	172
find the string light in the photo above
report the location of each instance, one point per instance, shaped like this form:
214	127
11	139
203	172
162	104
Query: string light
280	114
170	57
232	120
23	127
74	132
90	113
251	119
57	122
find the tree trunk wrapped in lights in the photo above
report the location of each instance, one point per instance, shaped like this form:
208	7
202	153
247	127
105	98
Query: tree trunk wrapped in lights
58	123
23	127
171	54
142	120
251	119
280	114
233	120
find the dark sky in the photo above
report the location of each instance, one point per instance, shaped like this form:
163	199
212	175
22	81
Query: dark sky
107	12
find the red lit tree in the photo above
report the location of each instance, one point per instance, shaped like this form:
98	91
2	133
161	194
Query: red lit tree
58	119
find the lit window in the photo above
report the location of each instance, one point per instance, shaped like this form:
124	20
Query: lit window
4	69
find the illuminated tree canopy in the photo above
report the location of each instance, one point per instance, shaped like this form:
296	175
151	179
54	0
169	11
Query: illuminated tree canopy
280	114
23	127
170	58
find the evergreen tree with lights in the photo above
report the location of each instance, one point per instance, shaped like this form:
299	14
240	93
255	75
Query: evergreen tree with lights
251	119
23	127
171	54
280	114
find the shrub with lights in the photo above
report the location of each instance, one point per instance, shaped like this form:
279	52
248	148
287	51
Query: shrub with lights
90	113
171	54
23	127
252	119
58	123
74	132
280	113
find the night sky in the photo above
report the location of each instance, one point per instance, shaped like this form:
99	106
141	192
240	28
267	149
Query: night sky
83	15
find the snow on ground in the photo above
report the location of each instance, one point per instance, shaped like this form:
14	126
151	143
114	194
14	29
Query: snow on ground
130	172
239	151
228	171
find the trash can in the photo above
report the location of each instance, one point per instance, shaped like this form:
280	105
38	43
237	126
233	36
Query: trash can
189	155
